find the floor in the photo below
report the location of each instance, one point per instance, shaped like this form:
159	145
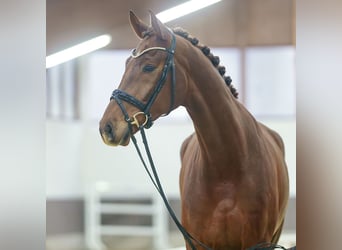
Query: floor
176	242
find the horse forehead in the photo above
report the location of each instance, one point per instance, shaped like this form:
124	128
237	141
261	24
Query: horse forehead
146	43
151	41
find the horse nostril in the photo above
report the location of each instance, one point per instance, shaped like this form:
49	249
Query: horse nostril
108	129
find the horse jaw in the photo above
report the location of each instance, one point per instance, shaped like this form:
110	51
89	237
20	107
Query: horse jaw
125	139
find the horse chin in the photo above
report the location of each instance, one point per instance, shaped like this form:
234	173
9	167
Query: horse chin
125	139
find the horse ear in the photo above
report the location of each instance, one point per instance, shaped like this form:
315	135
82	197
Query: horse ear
138	26
160	29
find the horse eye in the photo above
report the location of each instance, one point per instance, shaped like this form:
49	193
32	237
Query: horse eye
149	68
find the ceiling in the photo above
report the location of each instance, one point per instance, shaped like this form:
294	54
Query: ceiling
227	23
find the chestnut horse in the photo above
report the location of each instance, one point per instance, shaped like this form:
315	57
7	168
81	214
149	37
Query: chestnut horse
233	181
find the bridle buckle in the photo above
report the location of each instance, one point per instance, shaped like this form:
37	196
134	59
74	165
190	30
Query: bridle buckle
134	120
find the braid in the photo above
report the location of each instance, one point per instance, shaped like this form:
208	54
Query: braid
215	60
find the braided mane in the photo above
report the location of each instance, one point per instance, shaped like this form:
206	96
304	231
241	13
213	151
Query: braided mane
215	60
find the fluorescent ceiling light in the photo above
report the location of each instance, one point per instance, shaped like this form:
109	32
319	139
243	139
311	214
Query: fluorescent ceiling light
184	9
77	50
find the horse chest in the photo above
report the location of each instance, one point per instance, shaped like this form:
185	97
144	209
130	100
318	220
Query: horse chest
211	208
215	219
212	202
209	204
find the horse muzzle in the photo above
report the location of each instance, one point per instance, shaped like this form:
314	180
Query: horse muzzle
113	136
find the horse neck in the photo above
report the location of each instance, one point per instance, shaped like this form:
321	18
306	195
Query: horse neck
217	117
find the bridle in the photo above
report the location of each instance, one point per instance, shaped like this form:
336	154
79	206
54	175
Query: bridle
119	96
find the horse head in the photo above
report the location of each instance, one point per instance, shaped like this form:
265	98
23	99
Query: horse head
148	87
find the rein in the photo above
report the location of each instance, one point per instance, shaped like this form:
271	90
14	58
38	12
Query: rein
156	182
119	96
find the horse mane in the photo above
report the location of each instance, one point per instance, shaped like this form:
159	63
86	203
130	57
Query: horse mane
215	60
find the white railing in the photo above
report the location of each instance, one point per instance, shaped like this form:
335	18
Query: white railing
119	204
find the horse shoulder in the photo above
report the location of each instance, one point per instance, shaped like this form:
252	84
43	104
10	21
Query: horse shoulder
281	170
